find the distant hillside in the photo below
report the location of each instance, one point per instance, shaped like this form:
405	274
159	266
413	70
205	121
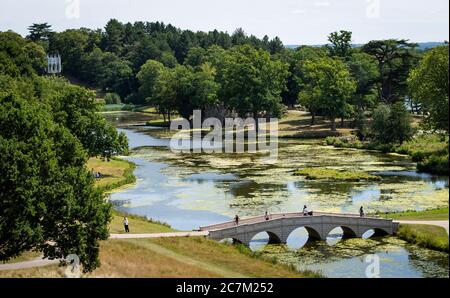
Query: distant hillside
422	45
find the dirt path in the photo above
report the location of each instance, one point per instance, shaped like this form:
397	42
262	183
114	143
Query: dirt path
440	223
158	235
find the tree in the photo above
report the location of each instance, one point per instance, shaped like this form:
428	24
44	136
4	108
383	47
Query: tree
391	124
47	197
147	76
300	78
329	86
114	36
168	59
275	46
115	75
341	44
20	57
364	71
71	45
195	57
428	85
395	59
40	33
251	82
76	109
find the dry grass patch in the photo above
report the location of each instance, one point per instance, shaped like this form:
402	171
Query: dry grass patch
50	271
227	257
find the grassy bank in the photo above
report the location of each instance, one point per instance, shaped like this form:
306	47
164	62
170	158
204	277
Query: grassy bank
429	151
137	224
428	236
434	214
331	174
113	174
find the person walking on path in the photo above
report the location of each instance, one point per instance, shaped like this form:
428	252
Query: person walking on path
267	216
236	219
361	212
125	224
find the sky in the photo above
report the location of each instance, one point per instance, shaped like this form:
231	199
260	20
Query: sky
294	21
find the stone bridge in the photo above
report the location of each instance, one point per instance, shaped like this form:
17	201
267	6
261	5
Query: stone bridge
279	226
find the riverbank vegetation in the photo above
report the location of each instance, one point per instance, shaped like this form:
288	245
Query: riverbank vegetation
332	174
113	173
428	236
430	151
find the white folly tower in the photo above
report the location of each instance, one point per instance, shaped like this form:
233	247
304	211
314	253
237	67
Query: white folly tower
54	63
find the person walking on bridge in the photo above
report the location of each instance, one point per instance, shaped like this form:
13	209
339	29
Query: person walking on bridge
236	219
361	212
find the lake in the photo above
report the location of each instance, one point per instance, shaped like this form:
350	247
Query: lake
191	190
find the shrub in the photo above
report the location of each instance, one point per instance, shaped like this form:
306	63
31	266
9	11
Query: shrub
391	124
112	98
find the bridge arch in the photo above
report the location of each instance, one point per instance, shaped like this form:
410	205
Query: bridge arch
347	231
374	232
313	233
274	238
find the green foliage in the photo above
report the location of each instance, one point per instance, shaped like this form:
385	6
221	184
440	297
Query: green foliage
19	57
429	151
147	76
395	59
251	82
48	200
112	98
428	85
329	87
341	44
76	108
391	124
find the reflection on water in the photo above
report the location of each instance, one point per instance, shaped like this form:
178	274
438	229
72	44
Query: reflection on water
348	258
191	190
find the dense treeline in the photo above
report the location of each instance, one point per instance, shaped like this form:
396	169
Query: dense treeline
207	70
48	130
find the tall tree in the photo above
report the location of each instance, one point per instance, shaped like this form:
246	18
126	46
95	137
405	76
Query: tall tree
40	32
300	78
330	85
147	76
340	44
395	59
428	85
251	82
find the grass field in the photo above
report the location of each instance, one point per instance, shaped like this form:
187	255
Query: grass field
297	124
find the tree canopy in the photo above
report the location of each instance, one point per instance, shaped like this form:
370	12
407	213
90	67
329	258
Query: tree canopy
428	85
